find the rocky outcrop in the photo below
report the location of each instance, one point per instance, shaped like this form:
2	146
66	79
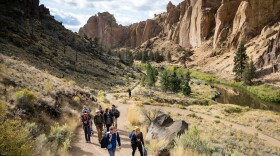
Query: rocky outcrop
26	9
165	128
251	17
224	20
271	57
224	23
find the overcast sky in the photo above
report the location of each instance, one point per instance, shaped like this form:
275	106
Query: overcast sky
75	13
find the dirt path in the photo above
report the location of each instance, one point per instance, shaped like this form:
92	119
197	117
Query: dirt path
80	148
246	129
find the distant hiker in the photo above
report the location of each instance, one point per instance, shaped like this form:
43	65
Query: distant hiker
108	118
101	110
99	121
116	115
136	138
85	118
129	93
112	137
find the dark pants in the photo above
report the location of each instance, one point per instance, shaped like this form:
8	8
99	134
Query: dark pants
87	132
108	127
135	146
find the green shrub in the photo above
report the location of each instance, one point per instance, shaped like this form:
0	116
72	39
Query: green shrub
265	92
36	50
60	137
26	100
235	109
204	76
14	138
191	139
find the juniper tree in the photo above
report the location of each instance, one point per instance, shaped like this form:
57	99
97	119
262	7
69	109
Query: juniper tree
164	81
174	82
151	75
185	87
249	72
145	57
240	59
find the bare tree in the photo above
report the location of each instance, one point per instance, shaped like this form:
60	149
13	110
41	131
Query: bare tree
150	114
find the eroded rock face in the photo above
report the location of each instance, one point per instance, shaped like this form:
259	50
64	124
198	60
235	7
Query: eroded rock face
224	20
229	22
271	57
251	17
163	127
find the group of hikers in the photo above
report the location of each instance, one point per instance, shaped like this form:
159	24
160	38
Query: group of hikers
106	127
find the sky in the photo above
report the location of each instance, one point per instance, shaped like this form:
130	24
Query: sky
75	13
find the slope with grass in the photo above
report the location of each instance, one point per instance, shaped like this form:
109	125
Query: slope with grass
29	33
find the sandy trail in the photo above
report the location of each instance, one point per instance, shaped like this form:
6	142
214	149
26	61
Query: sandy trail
80	148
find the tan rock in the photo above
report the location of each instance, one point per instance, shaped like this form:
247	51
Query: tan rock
251	17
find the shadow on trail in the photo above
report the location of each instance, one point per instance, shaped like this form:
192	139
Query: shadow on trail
78	151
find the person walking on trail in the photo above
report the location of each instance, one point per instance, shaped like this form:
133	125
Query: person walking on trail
116	115
85	118
113	137
101	110
99	121
88	111
108	119
129	93
136	138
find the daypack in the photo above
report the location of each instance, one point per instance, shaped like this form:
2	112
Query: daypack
104	141
131	134
85	119
117	113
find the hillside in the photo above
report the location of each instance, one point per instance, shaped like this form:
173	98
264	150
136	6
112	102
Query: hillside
30	33
212	29
47	74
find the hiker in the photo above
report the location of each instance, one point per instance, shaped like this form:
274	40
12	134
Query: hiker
108	118
129	93
85	118
98	121
116	115
136	138
88	111
113	137
101	110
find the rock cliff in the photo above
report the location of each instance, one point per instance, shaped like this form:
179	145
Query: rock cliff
190	23
211	28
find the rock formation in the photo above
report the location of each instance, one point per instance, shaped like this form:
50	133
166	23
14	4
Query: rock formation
163	127
190	23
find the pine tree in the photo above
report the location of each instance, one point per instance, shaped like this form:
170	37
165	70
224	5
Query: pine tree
174	83
145	57
249	72
151	75
239	62
185	87
164	80
151	56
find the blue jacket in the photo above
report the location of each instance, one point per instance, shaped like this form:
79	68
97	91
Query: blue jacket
115	138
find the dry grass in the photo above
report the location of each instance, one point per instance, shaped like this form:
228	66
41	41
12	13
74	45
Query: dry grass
134	116
155	145
48	87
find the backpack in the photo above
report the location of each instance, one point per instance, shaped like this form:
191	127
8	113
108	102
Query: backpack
85	119
104	141
131	135
117	113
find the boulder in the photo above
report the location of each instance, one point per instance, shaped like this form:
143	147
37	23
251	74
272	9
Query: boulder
165	128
